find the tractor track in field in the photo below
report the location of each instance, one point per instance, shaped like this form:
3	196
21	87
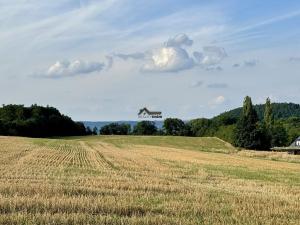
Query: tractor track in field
97	157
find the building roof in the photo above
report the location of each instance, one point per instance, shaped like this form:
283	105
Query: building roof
293	146
149	112
142	110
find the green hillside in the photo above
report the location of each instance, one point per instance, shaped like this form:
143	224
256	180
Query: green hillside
280	111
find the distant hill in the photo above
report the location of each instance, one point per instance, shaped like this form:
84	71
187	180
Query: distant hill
100	124
280	111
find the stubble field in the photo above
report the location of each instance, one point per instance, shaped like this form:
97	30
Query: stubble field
145	180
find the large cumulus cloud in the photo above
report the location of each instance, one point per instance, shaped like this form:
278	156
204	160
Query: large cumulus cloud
174	56
169	59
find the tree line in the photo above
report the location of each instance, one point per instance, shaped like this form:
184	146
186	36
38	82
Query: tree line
251	129
245	131
37	121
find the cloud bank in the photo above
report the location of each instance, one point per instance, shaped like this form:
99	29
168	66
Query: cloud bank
172	57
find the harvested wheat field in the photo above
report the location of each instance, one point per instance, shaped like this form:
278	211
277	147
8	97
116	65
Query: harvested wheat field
144	180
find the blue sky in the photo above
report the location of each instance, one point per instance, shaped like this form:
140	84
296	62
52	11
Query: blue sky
104	60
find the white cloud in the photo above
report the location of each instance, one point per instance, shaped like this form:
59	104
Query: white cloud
179	41
67	69
211	55
169	59
219	100
172	57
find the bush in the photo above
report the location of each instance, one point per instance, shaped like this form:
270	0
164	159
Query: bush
202	127
279	136
174	127
145	128
226	133
115	129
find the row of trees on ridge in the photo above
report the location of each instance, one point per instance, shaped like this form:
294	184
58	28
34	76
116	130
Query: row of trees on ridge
246	132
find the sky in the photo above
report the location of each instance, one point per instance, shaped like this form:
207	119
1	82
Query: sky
101	60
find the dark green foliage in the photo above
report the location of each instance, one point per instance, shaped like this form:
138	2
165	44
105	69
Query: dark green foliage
275	133
279	135
88	130
247	133
292	126
174	126
145	128
224	119
115	129
218	127
187	130
268	114
226	133
202	127
37	121
95	131
160	132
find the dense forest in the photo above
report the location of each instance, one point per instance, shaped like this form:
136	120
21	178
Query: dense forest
37	121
